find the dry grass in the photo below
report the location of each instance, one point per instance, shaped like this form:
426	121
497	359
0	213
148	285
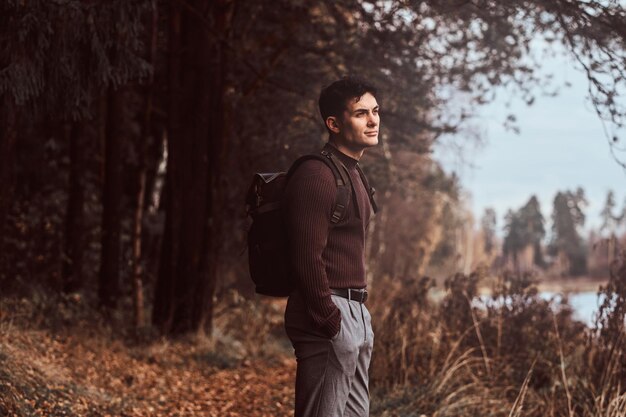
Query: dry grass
517	356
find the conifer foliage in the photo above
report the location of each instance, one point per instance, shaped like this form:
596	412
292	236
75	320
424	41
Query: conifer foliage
568	218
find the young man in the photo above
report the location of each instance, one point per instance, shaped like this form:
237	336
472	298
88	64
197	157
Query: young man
326	319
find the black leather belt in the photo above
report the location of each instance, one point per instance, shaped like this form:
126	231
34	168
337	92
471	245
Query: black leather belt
359	295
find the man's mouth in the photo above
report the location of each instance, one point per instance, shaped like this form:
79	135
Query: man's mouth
371	133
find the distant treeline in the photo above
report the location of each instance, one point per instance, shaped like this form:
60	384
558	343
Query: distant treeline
563	249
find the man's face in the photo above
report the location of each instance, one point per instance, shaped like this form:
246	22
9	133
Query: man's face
357	128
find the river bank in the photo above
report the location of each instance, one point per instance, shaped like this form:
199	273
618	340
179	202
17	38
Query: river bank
567	285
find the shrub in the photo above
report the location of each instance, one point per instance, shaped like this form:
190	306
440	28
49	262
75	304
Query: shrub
512	353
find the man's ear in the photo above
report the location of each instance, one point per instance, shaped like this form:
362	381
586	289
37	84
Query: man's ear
332	124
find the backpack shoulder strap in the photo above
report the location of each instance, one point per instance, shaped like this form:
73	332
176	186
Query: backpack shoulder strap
342	180
370	190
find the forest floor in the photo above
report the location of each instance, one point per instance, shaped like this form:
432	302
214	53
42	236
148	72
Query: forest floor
60	357
81	367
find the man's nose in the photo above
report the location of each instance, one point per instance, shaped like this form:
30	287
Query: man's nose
372	120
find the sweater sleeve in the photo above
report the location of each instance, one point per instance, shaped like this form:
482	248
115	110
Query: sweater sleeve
309	200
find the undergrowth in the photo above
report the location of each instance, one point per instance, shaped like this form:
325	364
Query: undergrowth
514	354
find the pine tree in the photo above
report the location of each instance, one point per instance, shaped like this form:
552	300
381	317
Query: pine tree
609	220
567	218
488	224
59	60
514	238
622	216
533	231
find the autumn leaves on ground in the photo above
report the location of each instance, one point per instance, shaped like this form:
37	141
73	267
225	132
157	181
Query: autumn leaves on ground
49	367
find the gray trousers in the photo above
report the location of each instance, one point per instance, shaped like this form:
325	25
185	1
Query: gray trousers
331	377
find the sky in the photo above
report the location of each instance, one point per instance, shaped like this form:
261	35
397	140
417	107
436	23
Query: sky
561	145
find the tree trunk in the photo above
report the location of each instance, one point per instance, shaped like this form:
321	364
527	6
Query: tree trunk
187	279
137	283
8	134
192	165
163	294
162	304
74	224
137	266
218	169
109	288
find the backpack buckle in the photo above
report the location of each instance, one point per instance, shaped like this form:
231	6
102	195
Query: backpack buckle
337	214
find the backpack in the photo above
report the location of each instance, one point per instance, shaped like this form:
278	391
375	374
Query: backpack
268	255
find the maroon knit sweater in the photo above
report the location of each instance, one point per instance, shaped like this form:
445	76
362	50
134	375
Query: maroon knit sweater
325	255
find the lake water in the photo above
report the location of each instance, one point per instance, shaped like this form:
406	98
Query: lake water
585	304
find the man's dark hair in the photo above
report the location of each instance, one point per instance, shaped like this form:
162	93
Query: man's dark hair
334	97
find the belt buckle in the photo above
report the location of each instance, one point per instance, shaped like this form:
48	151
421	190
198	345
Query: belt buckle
361	292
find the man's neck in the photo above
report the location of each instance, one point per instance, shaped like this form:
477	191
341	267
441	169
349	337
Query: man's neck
355	154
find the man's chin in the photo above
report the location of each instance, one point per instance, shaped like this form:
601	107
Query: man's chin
371	142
